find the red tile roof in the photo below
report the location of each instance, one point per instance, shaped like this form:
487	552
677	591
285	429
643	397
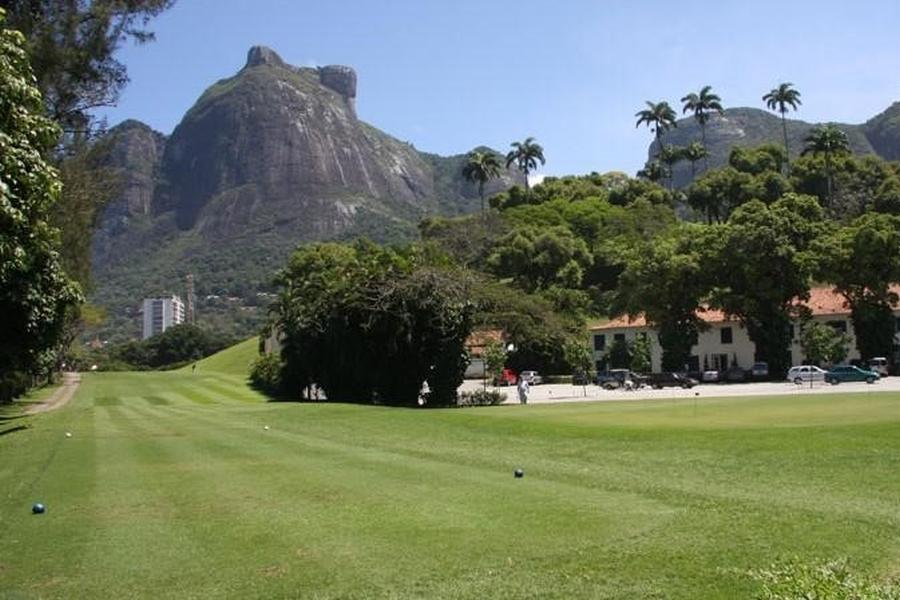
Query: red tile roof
822	301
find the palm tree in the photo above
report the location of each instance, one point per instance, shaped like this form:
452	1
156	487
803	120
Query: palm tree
526	156
480	168
692	153
829	141
703	105
659	118
653	171
780	99
670	156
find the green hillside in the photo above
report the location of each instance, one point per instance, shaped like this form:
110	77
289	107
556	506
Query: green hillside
234	361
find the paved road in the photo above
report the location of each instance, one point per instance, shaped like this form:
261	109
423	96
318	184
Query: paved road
568	393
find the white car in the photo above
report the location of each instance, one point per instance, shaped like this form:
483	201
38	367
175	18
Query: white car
805	373
879	365
532	377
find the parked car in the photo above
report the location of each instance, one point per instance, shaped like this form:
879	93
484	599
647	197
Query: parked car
507	377
661	380
850	373
532	377
616	378
759	370
879	365
805	373
580	378
710	376
735	374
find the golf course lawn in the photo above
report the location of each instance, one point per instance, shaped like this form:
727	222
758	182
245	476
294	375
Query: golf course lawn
171	487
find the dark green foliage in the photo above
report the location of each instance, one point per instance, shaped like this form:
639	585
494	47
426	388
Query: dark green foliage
619	355
175	346
539	258
717	193
758	159
468	240
525	155
639	349
36	296
659	117
72	47
862	261
480	168
266	373
763	266
823	344
370	324
481	398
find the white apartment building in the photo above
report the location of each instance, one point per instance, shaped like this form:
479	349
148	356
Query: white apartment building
161	313
725	342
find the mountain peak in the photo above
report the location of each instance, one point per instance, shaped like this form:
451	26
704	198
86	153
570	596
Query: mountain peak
263	55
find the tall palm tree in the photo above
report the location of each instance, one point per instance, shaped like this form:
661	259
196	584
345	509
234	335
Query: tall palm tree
780	99
670	156
659	117
480	168
692	153
526	156
703	105
829	141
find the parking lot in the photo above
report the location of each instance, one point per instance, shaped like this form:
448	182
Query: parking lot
546	393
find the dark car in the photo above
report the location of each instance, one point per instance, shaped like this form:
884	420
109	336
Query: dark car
850	373
661	380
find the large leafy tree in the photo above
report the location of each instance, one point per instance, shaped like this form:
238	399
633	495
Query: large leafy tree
72	44
703	105
862	261
537	259
764	266
480	168
36	295
371	324
659	117
829	141
667	280
525	155
781	99
655	171
671	156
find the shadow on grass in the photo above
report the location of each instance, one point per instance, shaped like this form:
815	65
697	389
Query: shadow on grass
13	429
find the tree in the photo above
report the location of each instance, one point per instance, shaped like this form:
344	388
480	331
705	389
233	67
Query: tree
670	156
654	171
619	355
537	259
480	168
827	140
666	279
494	360
694	152
36	295
659	117
822	343
862	262
703	105
371	324
526	156
640	354
72	45
779	99
764	267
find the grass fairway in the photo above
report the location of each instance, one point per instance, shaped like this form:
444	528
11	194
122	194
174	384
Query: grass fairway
171	488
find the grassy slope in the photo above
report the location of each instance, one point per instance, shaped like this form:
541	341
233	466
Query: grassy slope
234	361
170	487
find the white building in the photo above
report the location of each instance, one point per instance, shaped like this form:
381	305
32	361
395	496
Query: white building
161	313
725	342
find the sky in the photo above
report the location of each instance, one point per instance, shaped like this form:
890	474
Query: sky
449	76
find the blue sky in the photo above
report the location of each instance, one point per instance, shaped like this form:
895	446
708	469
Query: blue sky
448	76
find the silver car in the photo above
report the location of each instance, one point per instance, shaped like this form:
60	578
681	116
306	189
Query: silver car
805	373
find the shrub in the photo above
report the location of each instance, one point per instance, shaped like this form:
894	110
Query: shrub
832	580
481	398
265	373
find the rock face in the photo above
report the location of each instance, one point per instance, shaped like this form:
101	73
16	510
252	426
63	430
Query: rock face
268	158
753	127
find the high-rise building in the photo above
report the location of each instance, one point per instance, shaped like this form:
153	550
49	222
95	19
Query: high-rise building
161	313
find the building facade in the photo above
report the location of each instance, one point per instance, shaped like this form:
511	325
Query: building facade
725	342
161	313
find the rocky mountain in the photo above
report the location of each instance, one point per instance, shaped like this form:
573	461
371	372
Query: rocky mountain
752	127
264	160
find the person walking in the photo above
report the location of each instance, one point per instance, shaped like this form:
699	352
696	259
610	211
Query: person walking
522	388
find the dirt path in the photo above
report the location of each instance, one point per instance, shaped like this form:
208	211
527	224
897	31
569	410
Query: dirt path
60	397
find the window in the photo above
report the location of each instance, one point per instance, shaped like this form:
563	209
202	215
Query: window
619	337
726	335
600	342
840	326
